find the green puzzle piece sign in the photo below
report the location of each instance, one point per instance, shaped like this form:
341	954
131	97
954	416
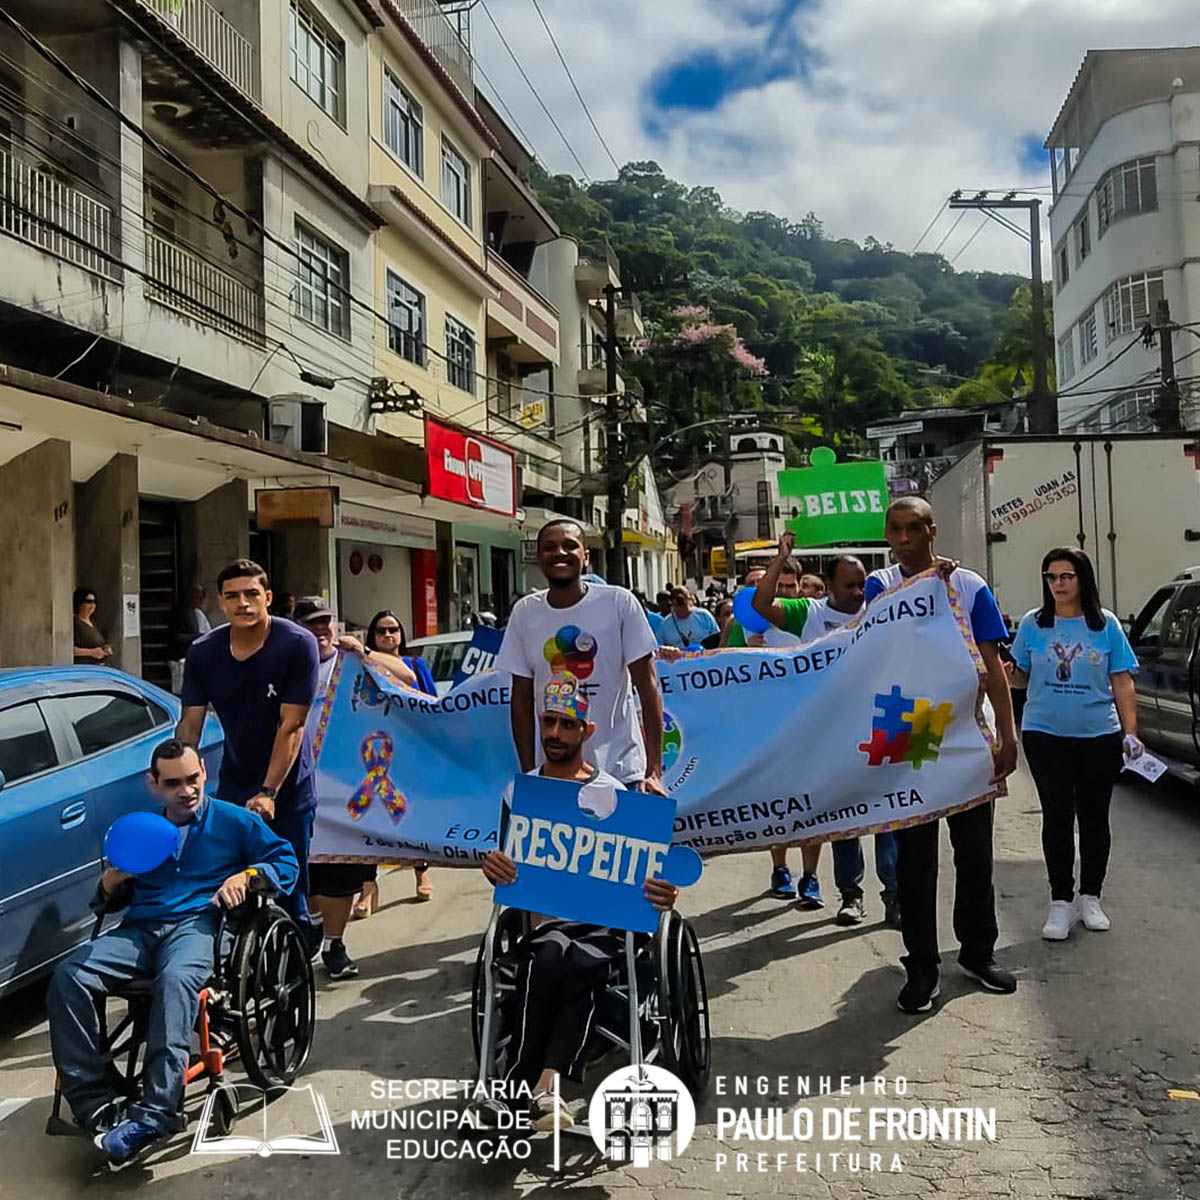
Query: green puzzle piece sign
837	502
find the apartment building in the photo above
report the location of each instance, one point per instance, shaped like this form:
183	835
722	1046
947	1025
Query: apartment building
1125	232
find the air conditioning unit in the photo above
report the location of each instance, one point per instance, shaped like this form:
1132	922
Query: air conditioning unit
297	422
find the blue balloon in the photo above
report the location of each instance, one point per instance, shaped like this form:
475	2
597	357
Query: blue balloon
743	611
140	841
694	648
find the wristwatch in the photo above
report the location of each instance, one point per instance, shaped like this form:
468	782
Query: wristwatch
268	791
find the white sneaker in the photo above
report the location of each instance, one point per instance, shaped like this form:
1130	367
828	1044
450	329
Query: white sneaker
1092	914
1058	923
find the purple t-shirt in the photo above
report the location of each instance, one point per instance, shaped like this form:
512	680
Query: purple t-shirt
247	696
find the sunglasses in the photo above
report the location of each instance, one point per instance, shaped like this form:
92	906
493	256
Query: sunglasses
387	628
1064	577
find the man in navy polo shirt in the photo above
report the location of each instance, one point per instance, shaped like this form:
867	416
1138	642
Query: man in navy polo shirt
259	673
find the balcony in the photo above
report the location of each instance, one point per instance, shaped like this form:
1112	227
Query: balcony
190	284
915	476
208	32
629	320
435	29
594	275
39	208
521	318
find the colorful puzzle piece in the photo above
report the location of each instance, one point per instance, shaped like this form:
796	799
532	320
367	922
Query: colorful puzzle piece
883	748
893	709
923	748
926	717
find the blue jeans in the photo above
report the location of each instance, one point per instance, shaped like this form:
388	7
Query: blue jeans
849	866
296	829
178	957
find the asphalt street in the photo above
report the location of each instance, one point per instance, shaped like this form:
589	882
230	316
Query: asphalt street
1079	1065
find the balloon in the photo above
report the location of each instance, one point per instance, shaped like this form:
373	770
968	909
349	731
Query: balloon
743	611
140	841
694	648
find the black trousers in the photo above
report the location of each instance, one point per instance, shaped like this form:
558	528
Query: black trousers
974	896
1074	779
563	967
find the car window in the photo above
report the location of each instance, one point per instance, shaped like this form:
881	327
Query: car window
25	744
103	719
444	658
1147	629
1182	622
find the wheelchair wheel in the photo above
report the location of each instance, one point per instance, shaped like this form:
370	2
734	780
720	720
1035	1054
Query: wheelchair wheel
275	999
683	1004
510	929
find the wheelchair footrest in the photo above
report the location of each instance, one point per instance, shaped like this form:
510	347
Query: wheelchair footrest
57	1127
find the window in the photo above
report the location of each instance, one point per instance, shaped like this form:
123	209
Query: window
322	296
1130	412
1125	191
460	355
456	182
763	497
1148	626
406	320
101	720
403	124
1088	346
25	745
1182	625
1131	301
1066	356
1083	237
1062	264
318	61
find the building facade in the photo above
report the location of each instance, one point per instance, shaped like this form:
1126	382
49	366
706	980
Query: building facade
1125	232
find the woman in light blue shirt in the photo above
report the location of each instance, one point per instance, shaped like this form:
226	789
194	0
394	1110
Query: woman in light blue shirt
1080	719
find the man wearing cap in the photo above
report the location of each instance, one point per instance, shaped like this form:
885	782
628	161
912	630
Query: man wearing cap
563	965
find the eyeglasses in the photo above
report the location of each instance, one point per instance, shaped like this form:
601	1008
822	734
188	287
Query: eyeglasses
387	628
1064	577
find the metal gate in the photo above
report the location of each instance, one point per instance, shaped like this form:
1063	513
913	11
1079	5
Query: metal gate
159	554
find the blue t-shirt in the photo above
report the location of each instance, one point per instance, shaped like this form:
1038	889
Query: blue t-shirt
691	631
987	621
655	619
247	697
1070	668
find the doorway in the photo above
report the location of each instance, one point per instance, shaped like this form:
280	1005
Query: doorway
466	584
504	571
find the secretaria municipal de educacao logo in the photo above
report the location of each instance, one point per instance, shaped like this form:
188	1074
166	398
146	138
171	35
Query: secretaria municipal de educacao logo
672	741
571	650
906	729
640	1115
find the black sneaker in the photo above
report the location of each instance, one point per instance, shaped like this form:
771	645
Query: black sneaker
891	910
337	962
919	993
852	911
990	975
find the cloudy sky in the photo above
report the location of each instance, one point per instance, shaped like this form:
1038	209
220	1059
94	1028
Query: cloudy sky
869	112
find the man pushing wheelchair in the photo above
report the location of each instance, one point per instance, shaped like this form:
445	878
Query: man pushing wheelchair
168	936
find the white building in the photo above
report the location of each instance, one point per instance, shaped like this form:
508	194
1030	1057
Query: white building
1125	231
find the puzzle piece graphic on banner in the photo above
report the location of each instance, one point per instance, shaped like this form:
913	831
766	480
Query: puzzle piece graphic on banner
926	717
881	748
923	748
894	710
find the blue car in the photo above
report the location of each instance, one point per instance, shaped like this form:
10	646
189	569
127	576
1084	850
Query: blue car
75	744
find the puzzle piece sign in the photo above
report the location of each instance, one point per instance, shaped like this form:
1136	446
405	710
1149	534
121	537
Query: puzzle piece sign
837	502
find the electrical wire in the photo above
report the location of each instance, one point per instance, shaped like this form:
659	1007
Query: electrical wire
1137	337
536	95
950	231
575	86
929	227
966	245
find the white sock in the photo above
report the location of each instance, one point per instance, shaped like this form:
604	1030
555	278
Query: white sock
327	943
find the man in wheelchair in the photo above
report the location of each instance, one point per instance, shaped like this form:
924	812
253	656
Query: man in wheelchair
562	965
168	935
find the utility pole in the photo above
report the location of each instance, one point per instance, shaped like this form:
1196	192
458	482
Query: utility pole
1167	415
730	519
614	518
1043	407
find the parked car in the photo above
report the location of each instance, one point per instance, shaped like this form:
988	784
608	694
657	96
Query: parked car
75	744
443	654
1164	636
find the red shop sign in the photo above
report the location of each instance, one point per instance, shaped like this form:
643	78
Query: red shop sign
469	469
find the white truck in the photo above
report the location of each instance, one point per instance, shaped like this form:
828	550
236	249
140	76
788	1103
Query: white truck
1132	501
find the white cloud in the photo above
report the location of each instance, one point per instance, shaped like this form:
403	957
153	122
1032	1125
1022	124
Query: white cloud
908	101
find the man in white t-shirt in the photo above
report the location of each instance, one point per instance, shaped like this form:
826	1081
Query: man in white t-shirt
599	635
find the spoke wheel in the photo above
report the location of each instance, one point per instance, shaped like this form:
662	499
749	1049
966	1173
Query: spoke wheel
683	1000
510	929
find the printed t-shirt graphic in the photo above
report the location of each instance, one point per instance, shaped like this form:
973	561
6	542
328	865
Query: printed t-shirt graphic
593	640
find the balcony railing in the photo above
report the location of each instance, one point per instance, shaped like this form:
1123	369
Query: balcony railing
215	38
190	284
434	28
37	207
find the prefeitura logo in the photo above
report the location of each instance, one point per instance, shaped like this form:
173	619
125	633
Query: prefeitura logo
906	730
641	1114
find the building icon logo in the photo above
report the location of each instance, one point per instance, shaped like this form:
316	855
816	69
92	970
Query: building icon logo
640	1115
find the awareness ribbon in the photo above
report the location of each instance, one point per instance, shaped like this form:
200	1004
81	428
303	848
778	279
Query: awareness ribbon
377	752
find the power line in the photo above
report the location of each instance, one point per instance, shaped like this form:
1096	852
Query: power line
950	231
536	95
1099	370
575	86
966	245
930	226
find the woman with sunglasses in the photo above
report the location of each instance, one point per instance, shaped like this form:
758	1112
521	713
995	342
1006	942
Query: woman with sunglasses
384	649
90	645
1080	720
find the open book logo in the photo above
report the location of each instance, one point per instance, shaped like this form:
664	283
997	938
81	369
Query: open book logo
284	1138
